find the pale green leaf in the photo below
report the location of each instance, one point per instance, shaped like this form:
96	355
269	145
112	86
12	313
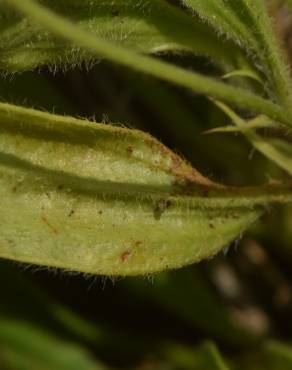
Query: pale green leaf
244	73
106	200
246	126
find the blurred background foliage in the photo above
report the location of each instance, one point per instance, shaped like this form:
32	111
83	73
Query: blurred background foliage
232	312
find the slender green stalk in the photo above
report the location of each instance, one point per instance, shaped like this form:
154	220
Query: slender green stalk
264	145
196	82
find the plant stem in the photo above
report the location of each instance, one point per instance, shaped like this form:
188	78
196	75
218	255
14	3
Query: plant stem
196	82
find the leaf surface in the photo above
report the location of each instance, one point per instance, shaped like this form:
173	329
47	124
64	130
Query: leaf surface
25	347
147	27
106	200
69	31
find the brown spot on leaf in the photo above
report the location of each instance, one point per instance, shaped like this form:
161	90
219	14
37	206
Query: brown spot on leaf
233	216
50	226
138	242
180	168
71	213
125	256
161	206
211	225
130	149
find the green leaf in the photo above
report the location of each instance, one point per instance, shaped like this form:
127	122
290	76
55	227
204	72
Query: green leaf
198	83
271	355
245	126
205	357
244	73
25	347
219	14
276	150
211	357
278	355
248	23
273	60
44	312
105	200
143	27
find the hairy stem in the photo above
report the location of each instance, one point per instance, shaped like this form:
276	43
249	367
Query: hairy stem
196	82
